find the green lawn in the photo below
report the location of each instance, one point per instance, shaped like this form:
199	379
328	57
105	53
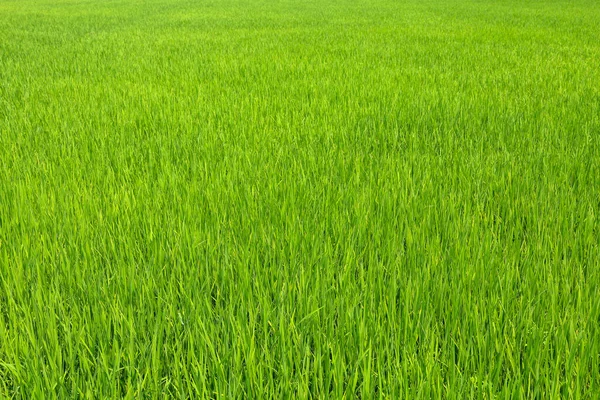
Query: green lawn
309	199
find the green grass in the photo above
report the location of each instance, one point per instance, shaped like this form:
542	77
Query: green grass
311	199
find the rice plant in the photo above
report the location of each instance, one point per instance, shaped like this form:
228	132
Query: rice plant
391	199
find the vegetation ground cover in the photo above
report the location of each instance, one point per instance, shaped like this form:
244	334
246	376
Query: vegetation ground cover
312	199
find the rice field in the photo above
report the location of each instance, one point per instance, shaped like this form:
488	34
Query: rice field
386	199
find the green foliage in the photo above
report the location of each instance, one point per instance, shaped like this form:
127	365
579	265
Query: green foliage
308	199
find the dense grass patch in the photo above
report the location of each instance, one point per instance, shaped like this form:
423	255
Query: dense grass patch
317	199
